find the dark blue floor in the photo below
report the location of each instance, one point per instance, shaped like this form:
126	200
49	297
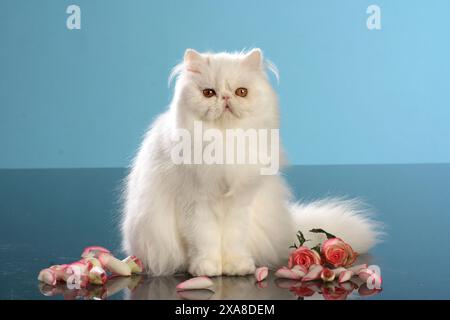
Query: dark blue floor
49	216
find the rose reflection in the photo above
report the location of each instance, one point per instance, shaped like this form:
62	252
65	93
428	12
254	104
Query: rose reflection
144	288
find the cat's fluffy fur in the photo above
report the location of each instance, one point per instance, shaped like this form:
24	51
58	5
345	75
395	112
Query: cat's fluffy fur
221	219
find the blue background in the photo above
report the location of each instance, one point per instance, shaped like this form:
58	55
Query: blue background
83	98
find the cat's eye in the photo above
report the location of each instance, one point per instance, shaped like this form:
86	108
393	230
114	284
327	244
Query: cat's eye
241	92
209	93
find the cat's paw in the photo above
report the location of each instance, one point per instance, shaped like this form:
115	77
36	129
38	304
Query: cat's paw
205	267
238	266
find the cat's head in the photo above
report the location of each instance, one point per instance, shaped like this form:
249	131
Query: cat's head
226	88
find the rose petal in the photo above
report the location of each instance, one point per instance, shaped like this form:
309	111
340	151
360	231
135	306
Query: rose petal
345	276
93	250
338	271
97	276
195	283
287	274
313	273
356	269
200	294
47	276
299	270
261	273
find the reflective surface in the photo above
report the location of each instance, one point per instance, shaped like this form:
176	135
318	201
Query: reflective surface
49	216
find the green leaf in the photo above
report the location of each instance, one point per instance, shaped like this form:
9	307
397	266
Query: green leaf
317	249
329	235
294	246
301	238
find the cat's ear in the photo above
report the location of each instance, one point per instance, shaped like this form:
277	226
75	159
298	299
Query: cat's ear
190	55
193	60
254	59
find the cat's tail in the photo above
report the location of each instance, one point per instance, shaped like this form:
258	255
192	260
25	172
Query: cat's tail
348	219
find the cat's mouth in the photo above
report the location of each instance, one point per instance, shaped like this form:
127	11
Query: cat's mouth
228	108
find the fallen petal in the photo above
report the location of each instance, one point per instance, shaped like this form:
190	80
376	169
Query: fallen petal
313	273
47	276
195	283
134	263
93	251
356	269
287	274
114	265
338	271
299	270
60	271
97	276
261	273
364	274
345	276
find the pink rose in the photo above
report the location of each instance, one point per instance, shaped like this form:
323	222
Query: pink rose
338	253
305	257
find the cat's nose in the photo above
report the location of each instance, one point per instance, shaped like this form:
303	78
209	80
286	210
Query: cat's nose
225	97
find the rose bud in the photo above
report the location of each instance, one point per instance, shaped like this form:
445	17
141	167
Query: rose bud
134	263
303	256
47	276
345	276
195	283
338	253
327	275
261	273
313	273
286	273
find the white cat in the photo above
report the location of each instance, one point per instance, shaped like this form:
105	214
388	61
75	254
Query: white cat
222	219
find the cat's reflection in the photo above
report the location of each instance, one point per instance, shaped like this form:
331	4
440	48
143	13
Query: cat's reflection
224	288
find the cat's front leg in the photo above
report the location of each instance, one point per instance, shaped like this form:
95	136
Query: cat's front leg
204	241
236	256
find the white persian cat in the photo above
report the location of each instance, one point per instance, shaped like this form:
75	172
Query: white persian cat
222	219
